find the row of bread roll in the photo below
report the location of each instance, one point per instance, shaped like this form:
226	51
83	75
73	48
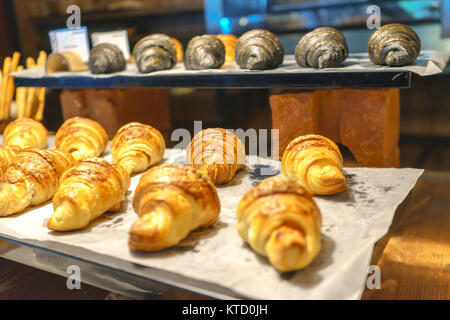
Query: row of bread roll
172	200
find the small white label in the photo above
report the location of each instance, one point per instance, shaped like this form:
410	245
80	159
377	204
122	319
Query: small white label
74	40
119	38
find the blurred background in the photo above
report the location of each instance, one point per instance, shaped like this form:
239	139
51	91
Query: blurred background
425	107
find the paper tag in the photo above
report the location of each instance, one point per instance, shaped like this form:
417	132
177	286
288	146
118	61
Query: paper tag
119	38
75	40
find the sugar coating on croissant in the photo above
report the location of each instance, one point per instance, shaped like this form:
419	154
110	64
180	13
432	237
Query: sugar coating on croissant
316	163
137	146
26	133
171	201
82	137
7	156
32	178
217	151
279	219
87	190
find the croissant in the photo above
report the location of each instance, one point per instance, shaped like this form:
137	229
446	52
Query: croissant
82	137
321	48
259	49
7	156
229	41
180	50
86	191
316	163
106	58
25	133
137	146
219	152
32	178
279	219
204	52
155	52
171	201
394	45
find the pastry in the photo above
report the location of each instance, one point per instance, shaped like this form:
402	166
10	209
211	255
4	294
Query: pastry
171	201
25	133
204	52
106	58
280	220
229	41
395	45
82	137
323	47
316	163
219	152
137	146
180	50
7	156
155	52
32	179
259	49
87	190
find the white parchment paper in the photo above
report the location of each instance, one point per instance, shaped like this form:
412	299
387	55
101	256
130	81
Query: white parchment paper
352	223
428	63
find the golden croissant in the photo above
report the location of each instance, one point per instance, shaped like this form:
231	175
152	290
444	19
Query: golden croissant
7	156
171	201
137	146
217	151
82	137
316	163
32	178
87	190
279	219
25	133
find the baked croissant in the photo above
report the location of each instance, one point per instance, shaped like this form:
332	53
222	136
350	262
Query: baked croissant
259	49
219	152
106	58
137	146
204	52
180	50
279	219
155	52
323	47
82	137
87	190
395	45
7	156
25	133
316	163
171	201
229	41
32	178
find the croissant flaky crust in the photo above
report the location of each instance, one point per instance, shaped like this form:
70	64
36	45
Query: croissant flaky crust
32	178
137	146
171	201
316	163
26	133
82	137
219	152
279	219
87	190
7	156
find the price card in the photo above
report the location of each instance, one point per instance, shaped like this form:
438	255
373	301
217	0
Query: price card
74	40
119	38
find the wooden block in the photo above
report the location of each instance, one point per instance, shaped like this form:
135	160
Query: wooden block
294	114
113	108
369	126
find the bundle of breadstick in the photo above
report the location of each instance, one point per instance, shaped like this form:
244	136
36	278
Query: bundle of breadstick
30	102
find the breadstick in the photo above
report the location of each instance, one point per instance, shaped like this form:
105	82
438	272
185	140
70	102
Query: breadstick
6	66
10	84
31	92
20	98
42	60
